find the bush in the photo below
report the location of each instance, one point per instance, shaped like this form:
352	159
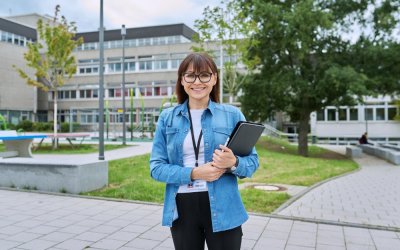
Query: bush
42	126
25	125
65	127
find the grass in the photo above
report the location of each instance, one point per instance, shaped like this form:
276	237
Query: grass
67	149
130	179
279	163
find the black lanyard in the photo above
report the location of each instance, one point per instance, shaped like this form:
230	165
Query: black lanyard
196	149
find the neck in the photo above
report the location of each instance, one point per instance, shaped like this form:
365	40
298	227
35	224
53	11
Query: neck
194	104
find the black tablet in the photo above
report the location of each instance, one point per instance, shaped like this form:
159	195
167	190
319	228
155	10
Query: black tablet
244	137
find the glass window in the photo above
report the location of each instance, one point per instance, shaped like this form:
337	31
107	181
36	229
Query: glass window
73	94
88	93
111	93
353	114
369	114
331	114
321	115
342	114
380	114
391	113
95	93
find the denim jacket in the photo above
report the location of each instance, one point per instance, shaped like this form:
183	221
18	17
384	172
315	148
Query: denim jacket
166	162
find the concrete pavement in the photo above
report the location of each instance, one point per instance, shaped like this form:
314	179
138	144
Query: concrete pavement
31	220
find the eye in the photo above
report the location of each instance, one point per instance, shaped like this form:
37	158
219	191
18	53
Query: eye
204	75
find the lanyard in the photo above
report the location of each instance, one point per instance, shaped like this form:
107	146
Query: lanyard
196	148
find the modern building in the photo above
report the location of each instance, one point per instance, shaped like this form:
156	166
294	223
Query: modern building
345	125
152	57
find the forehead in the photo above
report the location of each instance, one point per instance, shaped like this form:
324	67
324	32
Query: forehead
198	67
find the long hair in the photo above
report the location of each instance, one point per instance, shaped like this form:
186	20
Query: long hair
200	62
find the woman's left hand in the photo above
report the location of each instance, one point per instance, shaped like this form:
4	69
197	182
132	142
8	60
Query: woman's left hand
223	158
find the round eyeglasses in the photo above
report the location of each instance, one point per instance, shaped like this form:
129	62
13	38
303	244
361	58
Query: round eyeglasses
190	77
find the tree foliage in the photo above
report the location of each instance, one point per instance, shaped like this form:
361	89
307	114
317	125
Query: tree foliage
221	26
51	56
311	56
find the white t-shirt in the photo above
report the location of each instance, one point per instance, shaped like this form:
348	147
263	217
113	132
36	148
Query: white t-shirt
189	158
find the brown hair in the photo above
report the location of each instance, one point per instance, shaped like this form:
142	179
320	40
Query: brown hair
200	62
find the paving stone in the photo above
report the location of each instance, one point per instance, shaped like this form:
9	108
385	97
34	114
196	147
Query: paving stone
73	244
24	237
108	244
57	236
91	236
37	244
140	243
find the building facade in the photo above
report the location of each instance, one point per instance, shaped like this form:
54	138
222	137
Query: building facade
345	125
152	57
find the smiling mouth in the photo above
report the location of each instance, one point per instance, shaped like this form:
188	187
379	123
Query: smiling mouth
198	89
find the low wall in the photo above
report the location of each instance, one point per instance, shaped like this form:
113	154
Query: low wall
388	154
54	177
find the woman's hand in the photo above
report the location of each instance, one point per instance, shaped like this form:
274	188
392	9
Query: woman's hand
206	172
223	158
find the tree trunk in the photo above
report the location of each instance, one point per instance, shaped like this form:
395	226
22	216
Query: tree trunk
303	134
55	139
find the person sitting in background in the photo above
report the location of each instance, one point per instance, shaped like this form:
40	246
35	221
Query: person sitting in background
364	139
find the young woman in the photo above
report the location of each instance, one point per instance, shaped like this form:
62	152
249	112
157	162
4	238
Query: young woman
202	201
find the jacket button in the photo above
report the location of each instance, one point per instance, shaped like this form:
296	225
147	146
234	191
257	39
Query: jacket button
215	214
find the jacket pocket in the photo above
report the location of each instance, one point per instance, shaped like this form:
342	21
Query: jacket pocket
221	134
171	135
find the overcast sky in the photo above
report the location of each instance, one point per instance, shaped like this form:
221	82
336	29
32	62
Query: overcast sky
132	13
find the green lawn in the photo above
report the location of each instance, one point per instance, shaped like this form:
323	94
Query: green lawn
279	163
67	149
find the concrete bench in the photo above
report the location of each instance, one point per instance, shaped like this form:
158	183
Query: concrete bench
55	175
389	154
353	151
17	143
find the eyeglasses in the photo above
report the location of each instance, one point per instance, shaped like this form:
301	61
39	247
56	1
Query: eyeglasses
204	77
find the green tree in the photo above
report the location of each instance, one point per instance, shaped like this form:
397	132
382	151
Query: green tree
311	56
52	61
220	26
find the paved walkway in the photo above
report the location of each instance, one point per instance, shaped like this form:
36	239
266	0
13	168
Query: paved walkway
370	196
31	220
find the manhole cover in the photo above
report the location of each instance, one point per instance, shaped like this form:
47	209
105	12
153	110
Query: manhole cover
268	187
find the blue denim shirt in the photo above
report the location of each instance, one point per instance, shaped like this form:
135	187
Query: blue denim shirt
166	162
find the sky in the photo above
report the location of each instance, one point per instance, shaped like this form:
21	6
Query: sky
132	13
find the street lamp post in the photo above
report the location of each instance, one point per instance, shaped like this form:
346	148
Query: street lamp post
123	34
101	85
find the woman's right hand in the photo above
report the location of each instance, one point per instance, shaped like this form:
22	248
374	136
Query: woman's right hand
207	172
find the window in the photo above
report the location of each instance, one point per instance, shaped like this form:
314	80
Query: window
321	115
176	59
161	64
89	93
380	114
391	113
353	114
111	92
342	114
369	114
145	63
331	114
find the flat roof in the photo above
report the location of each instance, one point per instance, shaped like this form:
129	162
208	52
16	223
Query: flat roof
141	32
18	29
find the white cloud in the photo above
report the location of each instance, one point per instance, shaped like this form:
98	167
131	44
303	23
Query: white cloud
132	13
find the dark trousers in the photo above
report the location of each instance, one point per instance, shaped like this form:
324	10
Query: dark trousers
193	227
